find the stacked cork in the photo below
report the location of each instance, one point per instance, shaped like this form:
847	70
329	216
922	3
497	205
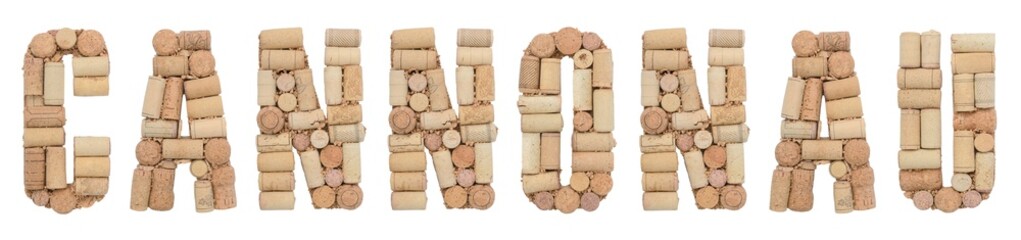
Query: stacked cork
712	147
45	155
290	117
184	72
823	70
974	120
422	118
541	120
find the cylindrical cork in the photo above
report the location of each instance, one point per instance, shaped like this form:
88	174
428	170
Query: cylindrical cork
567	200
474	56
717	85
985	90
568	40
537	123
919	78
416	38
90	66
276	181
930	128
203	196
822	150
601	183
407	161
843	88
983	120
582	89
592	161
593	142
35	169
985	171
793	99
481	197
467	37
689	120
667	60
856	152
847	108
343	37
862	181
659	162
542	45
919	98
919	159
805	43
910	50
276	200
650	88
349	196
799	129
840	65
728	38
547	181
807	67
690	98
407	181
847	129
602	110
674	38
948	200
930	42
835	41
811	106
414	59
719	56
161	195
528	80
407	200
973	62
696	169
323	197
732	197
964	151
284	38
973	42
780	191
480	133
141	182
170	66
707	197
659	201
201	64
964	92
282	59
223	187
455	197
549	76
56	169
801	196
660	182
842	201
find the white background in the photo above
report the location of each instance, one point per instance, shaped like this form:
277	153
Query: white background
128	27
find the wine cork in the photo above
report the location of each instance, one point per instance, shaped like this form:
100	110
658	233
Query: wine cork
964	92
601	184
737	133
650	88
148	152
721	56
343	114
276	181
90	43
463	156
973	62
444	167
267	88
208	128
923	200
323	197
793	97
201	63
275	162
352	164
847	129
842	201
202	87
182	149
984	142
948	200
451	138
983	120
985	171
414	59
801	196
568	40
416	38
592	161
283	38
140	184
862	181
223	179
856	152
692	120
799	129
276	200
971	199
465	85
467	37
53	83
41	137
35	169
842	88
840	65
549	76
669	82
340	56
659	182
690	98
696	169
910	50
161	194
530	153
667	60
333	77
474	56
657	143
217	151
717	177
529	74
205	107
671	102
736	87
974	42
780	190
43	45
455	197
402	120
203	196
91	146
807	67
481	133
349	196
437	120
805	44
56	176
567	200
485	86
583	121
919	159
483	163
732	197
304	91
97	167
282	60
726	38
538	123
91	186
194	40
593	142
406	143
839	169
961	182
273	142
407	181
465	177
930	125
811	105
398	88
477	114
715	157
923	98
343	37
674	38
90	66
167	66
602	68
583	59
549	151
835	41
652	201
591	41
302	141
735	163
822	150
602	110
919	78
930	42
985	90
539	104
788	153
707	198
547	181
717	85
271	120
728	115
33	75
654	120
350	133
964	151
658	162
583	89
304	120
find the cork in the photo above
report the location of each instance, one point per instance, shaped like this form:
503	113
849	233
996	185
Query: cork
285	82
44	116
437	120
438	97
343	114
402	120
805	44
90	66
33	75
91	86
276	200
690	98
323	197
842	201
201	63
203	196
930	42
807	67
654	201
838	169
984	142
654	120
468	37
63	201
593	142
474	56
485	85
922	98
583	121
715	157
195	40
696	169
923	200
223	187
812	103
43	45
668	83
964	151
547	181
602	110
602	68
737	133
717	85
537	123
352	164
567	200
549	77
41	137
415	38
90	43
65	38
582	89
659	182
465	177
160	128
35	169
985	90
703	139
601	184
161	194
671	102
856	152
721	56
530	153
964	92
477	114
840	65
732	197
98	167
168	66
862	181
407	181
141	181
973	42
481	133
53	83
835	41
657	143
205	107
451	138
930	125
444	167
961	182
406	143
971	199
455	197
793	99
788	153
583	59
842	88
735	163
726	38
801	196
539	104
267	88
650	88
983	120
543	200
271	120
707	197
780	190
56	176
822	150
717	177
592	161
591	41
847	129
985	171
910	50
549	151
919	159
333	77
685	142
340	56
948	200
579	181
667	60
343	37
973	63
275	162
282	60
182	149
349	196
419	102
414	59
483	163
306	120
568	40
674	38
332	156
305	91
463	156
919	78
208	128
282	38
692	120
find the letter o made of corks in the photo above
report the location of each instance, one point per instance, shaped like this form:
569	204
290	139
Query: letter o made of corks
542	120
46	157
